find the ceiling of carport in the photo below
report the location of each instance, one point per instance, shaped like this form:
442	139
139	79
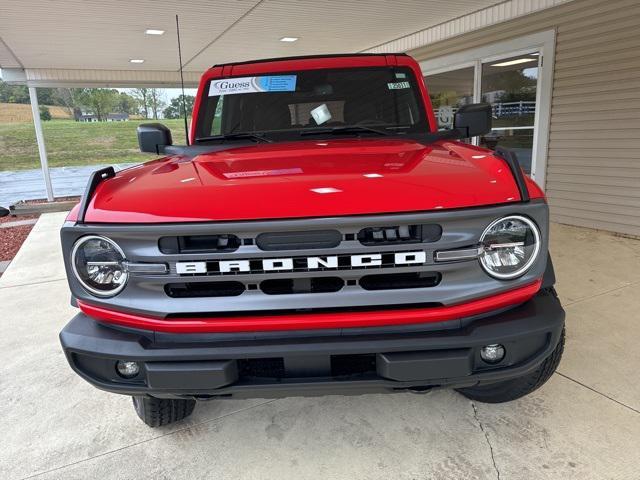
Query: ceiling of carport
105	35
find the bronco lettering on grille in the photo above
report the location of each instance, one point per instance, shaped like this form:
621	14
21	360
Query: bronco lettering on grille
328	262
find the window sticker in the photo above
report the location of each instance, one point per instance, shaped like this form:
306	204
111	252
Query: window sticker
231	86
321	114
401	75
397	85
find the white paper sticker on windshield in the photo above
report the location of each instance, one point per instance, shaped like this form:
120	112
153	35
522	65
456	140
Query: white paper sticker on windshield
321	114
397	85
274	83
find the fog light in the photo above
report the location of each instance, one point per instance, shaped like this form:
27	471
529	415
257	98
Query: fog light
127	369
492	353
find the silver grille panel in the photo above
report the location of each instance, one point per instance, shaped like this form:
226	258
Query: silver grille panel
460	280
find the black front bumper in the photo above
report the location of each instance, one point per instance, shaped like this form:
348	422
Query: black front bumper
348	361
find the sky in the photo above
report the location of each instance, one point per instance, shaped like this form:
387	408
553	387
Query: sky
169	93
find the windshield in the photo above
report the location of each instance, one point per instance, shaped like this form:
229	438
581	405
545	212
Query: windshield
373	101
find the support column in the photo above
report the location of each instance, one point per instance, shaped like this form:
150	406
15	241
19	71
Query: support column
35	109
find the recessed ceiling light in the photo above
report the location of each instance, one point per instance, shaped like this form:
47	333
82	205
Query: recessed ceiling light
153	31
289	39
513	62
136	60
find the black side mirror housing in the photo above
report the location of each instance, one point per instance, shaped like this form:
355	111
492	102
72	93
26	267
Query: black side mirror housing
154	138
473	120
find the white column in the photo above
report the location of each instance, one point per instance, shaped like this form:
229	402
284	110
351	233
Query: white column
35	109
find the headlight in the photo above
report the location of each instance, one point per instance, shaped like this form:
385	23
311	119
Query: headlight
509	246
98	264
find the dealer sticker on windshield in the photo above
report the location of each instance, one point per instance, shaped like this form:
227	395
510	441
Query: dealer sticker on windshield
231	86
397	85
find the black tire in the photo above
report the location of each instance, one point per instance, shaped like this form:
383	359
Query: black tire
157	412
517	387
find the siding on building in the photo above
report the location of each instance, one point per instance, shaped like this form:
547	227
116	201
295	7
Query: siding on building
593	168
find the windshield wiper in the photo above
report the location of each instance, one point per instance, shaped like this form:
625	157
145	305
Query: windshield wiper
258	137
345	129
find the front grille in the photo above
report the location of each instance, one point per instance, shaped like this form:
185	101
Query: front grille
394	269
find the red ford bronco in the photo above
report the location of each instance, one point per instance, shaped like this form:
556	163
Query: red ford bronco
319	235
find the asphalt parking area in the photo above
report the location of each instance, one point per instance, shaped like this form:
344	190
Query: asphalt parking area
583	424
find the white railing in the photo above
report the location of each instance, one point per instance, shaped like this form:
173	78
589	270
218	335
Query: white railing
503	109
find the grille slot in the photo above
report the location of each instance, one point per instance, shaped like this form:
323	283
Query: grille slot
399	234
273	241
287	286
199	244
397	281
204	289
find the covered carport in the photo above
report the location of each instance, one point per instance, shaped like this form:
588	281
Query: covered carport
583	424
119	44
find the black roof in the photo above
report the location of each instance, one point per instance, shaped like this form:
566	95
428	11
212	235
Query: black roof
304	57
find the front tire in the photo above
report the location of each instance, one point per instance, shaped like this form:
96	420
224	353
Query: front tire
157	412
515	388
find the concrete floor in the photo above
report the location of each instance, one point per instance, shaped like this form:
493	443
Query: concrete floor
583	424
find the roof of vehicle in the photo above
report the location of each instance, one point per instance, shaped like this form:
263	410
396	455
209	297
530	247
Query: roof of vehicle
306	57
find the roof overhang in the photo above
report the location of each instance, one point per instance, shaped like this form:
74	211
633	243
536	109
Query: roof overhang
81	43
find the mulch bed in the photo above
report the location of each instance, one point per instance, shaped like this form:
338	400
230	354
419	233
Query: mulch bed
12	238
16	218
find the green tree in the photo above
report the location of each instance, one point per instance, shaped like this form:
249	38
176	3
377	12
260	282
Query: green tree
174	110
127	104
45	114
70	99
13	93
142	96
156	101
100	101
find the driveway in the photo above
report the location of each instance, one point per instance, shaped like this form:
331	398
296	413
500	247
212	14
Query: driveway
29	184
583	424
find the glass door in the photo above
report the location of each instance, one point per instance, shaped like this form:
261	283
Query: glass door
516	78
448	91
510	85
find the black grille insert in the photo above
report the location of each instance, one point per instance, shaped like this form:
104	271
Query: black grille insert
298	240
397	281
204	289
286	286
399	234
199	244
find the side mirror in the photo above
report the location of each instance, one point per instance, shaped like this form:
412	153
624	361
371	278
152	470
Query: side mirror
154	138
473	120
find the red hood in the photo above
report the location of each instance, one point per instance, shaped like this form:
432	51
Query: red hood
315	178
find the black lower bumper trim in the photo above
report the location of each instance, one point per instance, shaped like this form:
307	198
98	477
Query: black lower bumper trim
337	362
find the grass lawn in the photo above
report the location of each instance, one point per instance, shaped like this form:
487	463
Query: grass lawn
75	143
